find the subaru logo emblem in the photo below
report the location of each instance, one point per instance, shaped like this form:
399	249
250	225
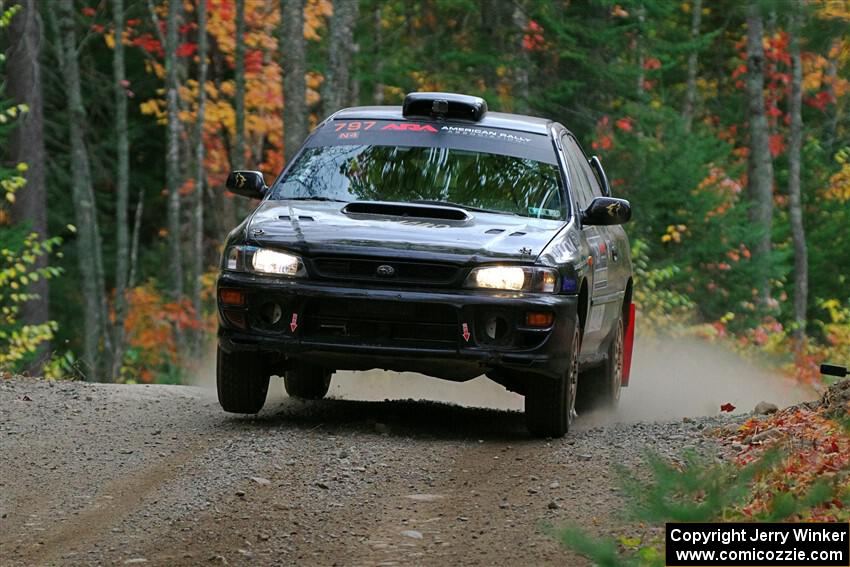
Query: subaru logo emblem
385	271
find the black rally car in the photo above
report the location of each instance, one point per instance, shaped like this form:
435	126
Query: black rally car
437	238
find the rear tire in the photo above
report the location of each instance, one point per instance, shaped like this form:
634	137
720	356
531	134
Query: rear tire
550	404
307	381
242	380
599	388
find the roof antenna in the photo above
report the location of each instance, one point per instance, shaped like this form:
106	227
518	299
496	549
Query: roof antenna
440	108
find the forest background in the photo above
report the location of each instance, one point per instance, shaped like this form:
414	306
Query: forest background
724	122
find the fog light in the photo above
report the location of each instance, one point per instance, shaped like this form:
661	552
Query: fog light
271	313
495	328
538	319
231	297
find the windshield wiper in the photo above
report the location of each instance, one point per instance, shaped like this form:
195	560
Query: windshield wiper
317	198
464	207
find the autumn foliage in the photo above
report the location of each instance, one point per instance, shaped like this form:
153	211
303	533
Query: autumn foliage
813	441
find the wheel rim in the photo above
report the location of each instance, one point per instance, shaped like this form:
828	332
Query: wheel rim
572	379
617	366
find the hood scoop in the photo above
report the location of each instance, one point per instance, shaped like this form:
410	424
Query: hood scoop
412	210
299	217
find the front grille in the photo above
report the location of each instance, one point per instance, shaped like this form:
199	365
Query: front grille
382	323
403	272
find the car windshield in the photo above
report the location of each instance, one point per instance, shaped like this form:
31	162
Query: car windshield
471	179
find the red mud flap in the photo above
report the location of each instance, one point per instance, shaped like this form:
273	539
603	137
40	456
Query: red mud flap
628	345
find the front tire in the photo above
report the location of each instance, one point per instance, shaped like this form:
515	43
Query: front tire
550	404
242	380
599	388
307	381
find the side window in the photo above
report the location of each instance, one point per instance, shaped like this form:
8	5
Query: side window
578	177
595	186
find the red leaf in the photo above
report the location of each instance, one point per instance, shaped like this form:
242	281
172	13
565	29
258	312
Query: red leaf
254	61
186	49
739	70
727	407
651	64
776	145
148	43
820	100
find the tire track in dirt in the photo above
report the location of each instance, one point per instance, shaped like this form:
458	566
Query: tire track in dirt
113	502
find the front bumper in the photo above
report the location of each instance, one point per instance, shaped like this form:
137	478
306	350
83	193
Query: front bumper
440	332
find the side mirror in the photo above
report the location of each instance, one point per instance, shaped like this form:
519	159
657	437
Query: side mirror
600	174
247	183
606	211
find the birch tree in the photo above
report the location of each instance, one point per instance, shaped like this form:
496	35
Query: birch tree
172	153
760	166
293	60
89	256
795	143
26	145
521	84
239	145
200	178
693	63
336	92
122	245
377	22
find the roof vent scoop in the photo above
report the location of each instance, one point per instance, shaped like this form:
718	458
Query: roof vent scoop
444	105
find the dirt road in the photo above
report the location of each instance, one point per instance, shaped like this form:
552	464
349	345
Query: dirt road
158	475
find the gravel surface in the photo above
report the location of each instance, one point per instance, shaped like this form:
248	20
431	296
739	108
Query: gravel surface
159	475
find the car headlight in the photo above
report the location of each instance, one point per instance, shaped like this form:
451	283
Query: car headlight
263	261
514	278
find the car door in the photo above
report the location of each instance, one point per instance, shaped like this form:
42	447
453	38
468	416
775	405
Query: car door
609	289
619	269
596	238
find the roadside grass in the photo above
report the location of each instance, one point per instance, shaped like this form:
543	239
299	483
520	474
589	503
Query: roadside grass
793	465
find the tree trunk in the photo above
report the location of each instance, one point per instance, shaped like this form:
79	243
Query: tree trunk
293	57
521	89
172	155
693	61
122	247
760	166
26	144
832	74
239	142
134	241
200	178
378	89
336	92
795	143
641	16
85	209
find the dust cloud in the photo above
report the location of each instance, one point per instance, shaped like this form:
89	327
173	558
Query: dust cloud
674	378
671	378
